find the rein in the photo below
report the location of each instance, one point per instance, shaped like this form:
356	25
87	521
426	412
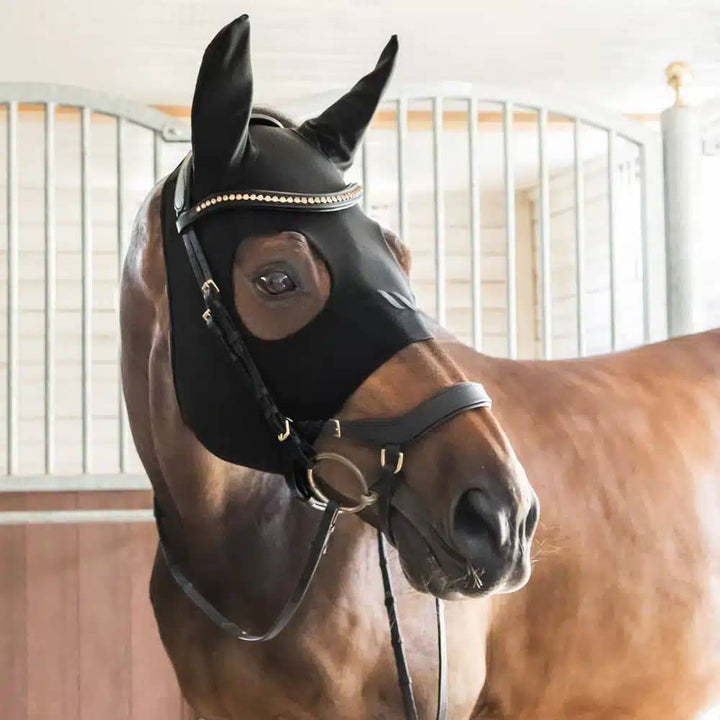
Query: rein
391	436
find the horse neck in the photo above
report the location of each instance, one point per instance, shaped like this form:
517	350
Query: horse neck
246	550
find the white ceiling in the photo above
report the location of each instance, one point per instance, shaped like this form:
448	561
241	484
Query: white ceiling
610	53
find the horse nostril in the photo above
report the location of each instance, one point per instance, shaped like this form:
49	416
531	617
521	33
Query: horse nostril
531	520
479	521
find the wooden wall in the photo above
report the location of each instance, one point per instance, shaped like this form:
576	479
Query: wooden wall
78	639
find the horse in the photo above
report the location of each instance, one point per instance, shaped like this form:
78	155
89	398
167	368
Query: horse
620	618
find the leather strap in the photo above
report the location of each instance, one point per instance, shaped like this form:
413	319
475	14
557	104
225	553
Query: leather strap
442	693
406	428
317	549
404	679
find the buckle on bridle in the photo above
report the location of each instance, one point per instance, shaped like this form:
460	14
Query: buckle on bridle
398	464
209	286
285	434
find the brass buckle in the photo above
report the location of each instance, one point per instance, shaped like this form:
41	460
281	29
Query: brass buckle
209	285
285	434
337	430
398	465
207	316
366	499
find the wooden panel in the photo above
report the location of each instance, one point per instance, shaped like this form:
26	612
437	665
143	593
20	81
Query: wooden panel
13	641
155	693
52	618
104	615
78	638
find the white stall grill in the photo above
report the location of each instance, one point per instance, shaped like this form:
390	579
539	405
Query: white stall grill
98	229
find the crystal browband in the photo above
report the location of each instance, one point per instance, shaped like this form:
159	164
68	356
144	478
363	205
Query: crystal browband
321	202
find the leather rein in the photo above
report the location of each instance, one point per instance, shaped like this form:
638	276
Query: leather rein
392	436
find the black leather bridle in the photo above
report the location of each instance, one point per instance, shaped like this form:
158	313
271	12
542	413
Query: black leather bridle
392	437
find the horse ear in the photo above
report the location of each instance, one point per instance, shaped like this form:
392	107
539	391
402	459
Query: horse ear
222	104
339	129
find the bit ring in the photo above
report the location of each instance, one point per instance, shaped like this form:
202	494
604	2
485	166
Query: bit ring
366	499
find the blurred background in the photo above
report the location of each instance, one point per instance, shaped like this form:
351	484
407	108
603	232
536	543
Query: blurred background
554	168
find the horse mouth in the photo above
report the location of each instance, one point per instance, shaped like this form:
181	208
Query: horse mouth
432	566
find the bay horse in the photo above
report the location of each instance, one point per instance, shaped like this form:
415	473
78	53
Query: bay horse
620	619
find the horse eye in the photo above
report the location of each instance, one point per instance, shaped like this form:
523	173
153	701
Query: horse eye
275	282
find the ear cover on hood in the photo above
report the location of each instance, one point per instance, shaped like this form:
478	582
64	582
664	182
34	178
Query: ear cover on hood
339	130
222	105
369	315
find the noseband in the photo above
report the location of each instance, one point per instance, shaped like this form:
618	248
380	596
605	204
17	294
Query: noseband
393	437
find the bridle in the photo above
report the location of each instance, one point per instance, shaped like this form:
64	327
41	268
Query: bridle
392	437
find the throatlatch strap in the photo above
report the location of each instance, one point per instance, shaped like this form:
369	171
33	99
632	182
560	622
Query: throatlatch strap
317	548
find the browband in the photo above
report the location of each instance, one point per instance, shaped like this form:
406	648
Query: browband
348	196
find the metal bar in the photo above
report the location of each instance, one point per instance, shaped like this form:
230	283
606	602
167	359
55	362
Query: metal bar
402	130
86	240
510	230
72	517
440	271
612	208
72	483
544	237
579	239
172	129
120	205
645	266
365	177
12	289
475	212
50	292
157	155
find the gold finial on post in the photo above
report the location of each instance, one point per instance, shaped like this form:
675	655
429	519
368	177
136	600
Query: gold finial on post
678	74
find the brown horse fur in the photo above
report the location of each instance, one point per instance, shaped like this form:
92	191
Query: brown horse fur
620	621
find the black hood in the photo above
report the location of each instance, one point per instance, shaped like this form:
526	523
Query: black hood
370	313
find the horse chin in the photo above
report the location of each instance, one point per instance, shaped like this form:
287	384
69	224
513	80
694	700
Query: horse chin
435	569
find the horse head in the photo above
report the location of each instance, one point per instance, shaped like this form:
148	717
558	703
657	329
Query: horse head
325	371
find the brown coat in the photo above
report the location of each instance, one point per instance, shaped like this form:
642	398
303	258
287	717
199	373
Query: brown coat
620	619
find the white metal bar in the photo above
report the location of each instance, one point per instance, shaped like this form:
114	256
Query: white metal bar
72	483
475	214
157	156
644	239
172	129
439	200
72	517
589	114
544	237
402	130
50	292
365	170
612	214
579	238
86	240
510	229
12	288
120	205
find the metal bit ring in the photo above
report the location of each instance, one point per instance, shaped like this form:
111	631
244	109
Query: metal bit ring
366	499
